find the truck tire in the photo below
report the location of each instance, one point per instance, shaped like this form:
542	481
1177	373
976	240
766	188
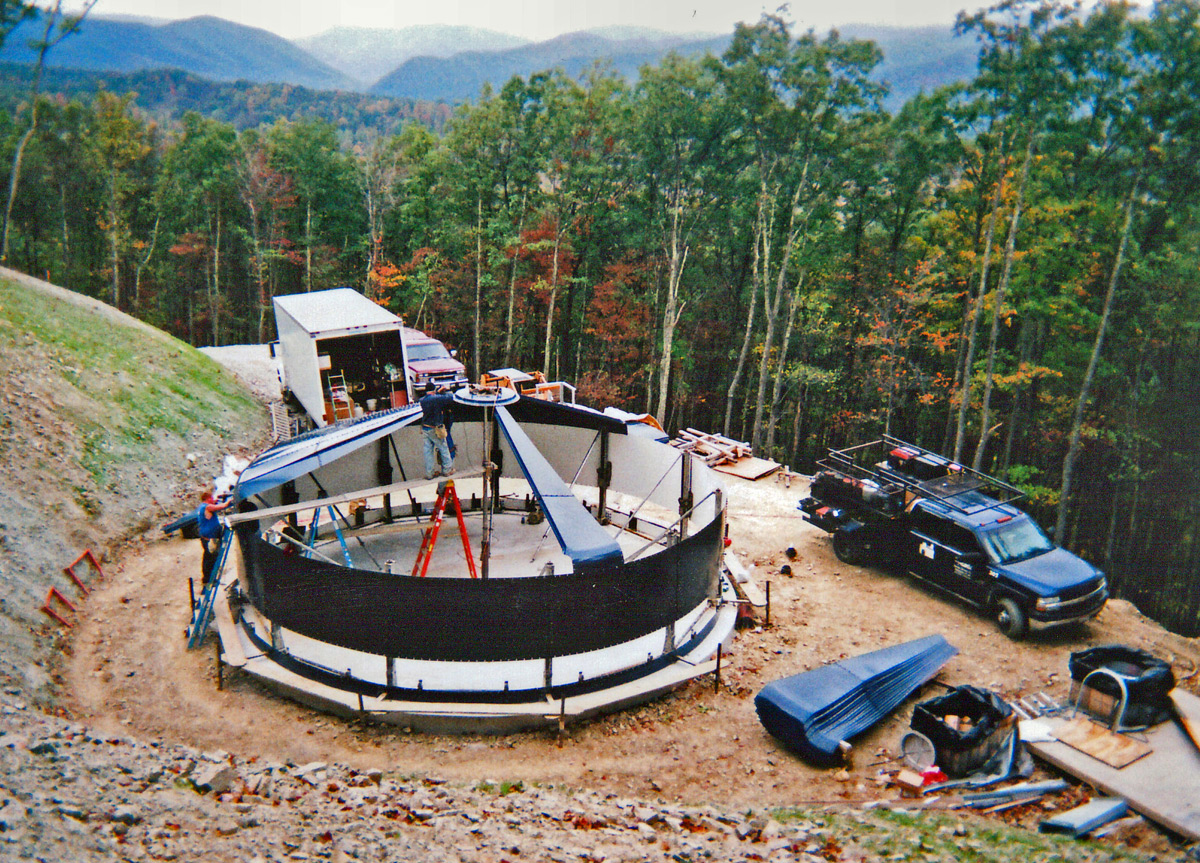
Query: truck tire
849	548
1011	619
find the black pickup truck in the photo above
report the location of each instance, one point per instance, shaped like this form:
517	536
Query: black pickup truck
897	505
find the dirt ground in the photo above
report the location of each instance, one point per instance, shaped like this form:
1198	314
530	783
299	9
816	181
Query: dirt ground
128	671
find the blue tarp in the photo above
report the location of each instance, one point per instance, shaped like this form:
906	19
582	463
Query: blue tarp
582	538
815	711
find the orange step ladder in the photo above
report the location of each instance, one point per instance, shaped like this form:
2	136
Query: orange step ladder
429	535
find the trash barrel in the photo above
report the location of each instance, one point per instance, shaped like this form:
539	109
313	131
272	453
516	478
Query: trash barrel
967	726
1148	681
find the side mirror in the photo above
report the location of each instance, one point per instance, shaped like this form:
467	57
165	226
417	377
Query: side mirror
974	558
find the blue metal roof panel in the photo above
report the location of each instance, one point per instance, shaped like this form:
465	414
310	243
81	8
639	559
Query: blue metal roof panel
582	538
815	711
293	459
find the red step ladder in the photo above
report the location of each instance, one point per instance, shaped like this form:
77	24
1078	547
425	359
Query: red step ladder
429	535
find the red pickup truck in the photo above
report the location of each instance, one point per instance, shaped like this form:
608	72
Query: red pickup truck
430	364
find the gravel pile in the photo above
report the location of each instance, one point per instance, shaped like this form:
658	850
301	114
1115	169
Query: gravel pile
68	793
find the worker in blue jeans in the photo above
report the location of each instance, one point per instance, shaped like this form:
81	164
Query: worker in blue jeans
434	408
210	529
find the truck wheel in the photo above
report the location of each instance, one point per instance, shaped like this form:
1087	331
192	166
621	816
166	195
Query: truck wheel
1011	619
848	548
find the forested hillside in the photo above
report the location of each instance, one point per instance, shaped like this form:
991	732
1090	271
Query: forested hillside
165	95
746	243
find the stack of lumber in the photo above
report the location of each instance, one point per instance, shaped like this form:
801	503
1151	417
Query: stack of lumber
714	449
723	454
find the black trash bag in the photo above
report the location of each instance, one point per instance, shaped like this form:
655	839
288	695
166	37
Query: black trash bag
959	752
1148	680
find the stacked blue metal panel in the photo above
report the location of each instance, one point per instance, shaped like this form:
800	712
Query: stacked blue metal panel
816	711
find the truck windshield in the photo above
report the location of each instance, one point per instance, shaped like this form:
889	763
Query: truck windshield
428	351
1018	539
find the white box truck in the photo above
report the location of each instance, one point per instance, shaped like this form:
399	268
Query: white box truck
340	355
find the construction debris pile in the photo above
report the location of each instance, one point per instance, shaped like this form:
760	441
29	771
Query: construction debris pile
712	449
970	738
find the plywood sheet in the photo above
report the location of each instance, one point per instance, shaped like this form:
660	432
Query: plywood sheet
749	468
1115	750
1164	785
1187	708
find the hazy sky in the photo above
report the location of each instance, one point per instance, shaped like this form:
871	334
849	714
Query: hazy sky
537	19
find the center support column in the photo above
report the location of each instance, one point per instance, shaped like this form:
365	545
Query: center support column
686	499
603	478
485	544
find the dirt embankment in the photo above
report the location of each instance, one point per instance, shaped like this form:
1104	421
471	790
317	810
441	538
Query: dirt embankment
106	425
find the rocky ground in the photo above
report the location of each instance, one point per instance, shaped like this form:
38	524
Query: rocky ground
70	793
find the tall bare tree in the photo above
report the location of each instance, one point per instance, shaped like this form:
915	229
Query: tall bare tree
56	26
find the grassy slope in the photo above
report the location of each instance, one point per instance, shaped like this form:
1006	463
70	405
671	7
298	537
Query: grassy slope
98	414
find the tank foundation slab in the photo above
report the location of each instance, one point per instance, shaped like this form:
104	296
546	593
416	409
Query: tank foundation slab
484	715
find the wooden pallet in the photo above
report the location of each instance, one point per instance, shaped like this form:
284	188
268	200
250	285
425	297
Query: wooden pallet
713	449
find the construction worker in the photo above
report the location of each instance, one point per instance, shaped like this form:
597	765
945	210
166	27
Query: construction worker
210	529
434	408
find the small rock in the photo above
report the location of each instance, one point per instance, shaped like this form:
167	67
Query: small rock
126	815
647	832
645	813
217	778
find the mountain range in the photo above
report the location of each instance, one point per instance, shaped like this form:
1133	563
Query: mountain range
365	55
461	76
434	62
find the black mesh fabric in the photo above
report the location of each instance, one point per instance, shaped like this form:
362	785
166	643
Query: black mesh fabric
474	619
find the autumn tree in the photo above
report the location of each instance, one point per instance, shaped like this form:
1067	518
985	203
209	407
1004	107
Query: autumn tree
123	146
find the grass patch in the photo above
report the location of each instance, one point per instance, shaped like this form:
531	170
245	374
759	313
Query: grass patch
928	836
504	788
134	383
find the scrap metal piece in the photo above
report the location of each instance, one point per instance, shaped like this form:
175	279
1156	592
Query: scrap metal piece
1086	818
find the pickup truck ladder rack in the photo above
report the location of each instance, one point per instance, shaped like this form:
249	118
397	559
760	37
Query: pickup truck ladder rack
947	489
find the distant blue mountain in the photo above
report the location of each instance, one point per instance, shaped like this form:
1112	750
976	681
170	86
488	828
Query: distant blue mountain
461	77
212	48
915	59
367	54
430	63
